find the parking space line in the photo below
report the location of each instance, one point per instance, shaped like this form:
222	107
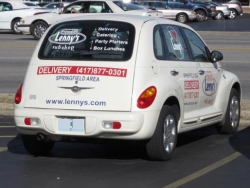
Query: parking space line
3	149
203	171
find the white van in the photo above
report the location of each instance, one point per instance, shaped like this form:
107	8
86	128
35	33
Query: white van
123	77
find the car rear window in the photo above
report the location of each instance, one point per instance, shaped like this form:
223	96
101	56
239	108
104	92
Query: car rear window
89	41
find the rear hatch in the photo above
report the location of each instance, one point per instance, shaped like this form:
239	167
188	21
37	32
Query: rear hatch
83	65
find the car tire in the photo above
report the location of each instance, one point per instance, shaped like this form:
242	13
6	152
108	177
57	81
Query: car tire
182	18
232	116
219	16
233	14
14	26
35	147
201	15
162	144
38	29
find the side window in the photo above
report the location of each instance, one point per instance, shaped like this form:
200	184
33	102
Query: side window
158	5
198	47
79	7
158	46
99	7
7	7
177	49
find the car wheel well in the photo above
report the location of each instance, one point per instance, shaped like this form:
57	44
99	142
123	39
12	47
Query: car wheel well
237	87
200	9
173	101
234	10
12	22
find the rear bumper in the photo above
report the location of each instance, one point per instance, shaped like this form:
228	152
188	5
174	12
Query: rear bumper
25	29
134	125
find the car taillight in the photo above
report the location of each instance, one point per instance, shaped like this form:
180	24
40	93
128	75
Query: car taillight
147	97
18	96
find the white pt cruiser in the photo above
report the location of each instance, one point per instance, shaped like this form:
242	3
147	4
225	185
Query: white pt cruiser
123	77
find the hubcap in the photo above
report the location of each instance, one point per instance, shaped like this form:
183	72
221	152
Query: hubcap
169	134
16	28
182	19
39	30
232	14
219	16
234	112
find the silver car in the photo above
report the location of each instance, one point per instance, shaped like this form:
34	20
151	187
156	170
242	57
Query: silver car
180	15
223	11
234	6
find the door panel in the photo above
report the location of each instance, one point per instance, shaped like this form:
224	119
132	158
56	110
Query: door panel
185	73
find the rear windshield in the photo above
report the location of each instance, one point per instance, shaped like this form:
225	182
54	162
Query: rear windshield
89	40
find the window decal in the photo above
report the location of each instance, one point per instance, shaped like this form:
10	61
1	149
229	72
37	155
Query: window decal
67	36
209	84
175	41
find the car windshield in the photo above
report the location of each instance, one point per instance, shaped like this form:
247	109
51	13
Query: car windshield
30	4
128	6
90	41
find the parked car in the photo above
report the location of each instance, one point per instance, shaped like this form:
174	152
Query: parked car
180	15
223	11
203	10
11	12
234	6
125	77
37	25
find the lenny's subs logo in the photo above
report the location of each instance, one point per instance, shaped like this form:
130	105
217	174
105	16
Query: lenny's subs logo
67	36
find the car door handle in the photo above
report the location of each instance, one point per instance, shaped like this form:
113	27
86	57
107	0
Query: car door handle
201	72
174	72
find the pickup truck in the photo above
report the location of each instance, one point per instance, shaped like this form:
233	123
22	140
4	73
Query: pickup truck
202	9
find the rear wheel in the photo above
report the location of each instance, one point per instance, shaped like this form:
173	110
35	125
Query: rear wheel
38	29
201	15
232	117
182	18
163	142
35	147
233	14
14	26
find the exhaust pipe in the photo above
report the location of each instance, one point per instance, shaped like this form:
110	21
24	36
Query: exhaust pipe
41	137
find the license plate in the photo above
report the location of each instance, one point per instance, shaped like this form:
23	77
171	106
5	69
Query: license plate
71	124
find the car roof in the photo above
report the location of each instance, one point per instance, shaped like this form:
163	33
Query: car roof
122	17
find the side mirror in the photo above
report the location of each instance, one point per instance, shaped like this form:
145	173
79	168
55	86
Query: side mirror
216	56
185	1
